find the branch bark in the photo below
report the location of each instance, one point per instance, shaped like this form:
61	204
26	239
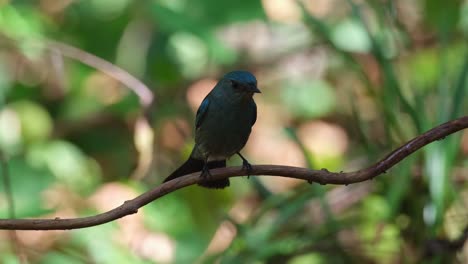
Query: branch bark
322	176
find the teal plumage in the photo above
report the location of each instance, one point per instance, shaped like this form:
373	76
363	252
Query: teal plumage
222	127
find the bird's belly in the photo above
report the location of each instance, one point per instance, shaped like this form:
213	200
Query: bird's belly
222	136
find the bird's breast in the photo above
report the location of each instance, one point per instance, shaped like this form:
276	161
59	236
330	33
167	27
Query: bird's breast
224	131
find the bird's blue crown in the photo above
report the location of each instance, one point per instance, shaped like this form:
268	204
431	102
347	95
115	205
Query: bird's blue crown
241	76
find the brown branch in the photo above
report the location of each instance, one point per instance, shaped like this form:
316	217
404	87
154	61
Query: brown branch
320	176
146	96
140	89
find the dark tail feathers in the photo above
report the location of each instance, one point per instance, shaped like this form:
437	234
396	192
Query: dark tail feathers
194	165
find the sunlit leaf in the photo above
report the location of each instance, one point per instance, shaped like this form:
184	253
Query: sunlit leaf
28	186
35	121
351	36
67	163
308	98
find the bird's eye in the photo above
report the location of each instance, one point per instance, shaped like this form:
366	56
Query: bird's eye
235	84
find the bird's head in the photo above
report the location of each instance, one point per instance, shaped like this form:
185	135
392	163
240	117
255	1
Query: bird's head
240	84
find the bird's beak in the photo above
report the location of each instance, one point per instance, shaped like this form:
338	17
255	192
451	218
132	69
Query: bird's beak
254	89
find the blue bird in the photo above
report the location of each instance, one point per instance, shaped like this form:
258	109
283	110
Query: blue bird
222	127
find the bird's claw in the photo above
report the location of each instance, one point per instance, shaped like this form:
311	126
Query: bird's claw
245	165
248	167
205	173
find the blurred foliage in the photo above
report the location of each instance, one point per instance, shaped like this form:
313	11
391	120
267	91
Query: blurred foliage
343	82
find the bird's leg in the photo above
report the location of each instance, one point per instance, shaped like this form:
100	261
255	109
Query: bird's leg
245	165
205	173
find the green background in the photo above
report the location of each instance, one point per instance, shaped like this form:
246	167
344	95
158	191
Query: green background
343	83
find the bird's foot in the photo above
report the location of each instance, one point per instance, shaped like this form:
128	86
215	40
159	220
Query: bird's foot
248	167
205	173
245	165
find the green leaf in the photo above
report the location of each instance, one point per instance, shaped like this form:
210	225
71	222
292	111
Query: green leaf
28	184
36	123
309	98
443	15
351	36
67	163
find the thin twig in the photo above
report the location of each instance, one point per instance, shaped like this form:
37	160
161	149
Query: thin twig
7	186
140	89
11	208
145	95
320	176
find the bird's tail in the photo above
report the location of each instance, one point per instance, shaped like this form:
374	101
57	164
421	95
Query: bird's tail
194	165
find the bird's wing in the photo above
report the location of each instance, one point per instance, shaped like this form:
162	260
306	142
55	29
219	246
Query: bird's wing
201	112
254	114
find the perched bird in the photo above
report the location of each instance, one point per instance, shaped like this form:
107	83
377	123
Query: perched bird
222	126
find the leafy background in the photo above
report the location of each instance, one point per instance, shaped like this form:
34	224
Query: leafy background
344	82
